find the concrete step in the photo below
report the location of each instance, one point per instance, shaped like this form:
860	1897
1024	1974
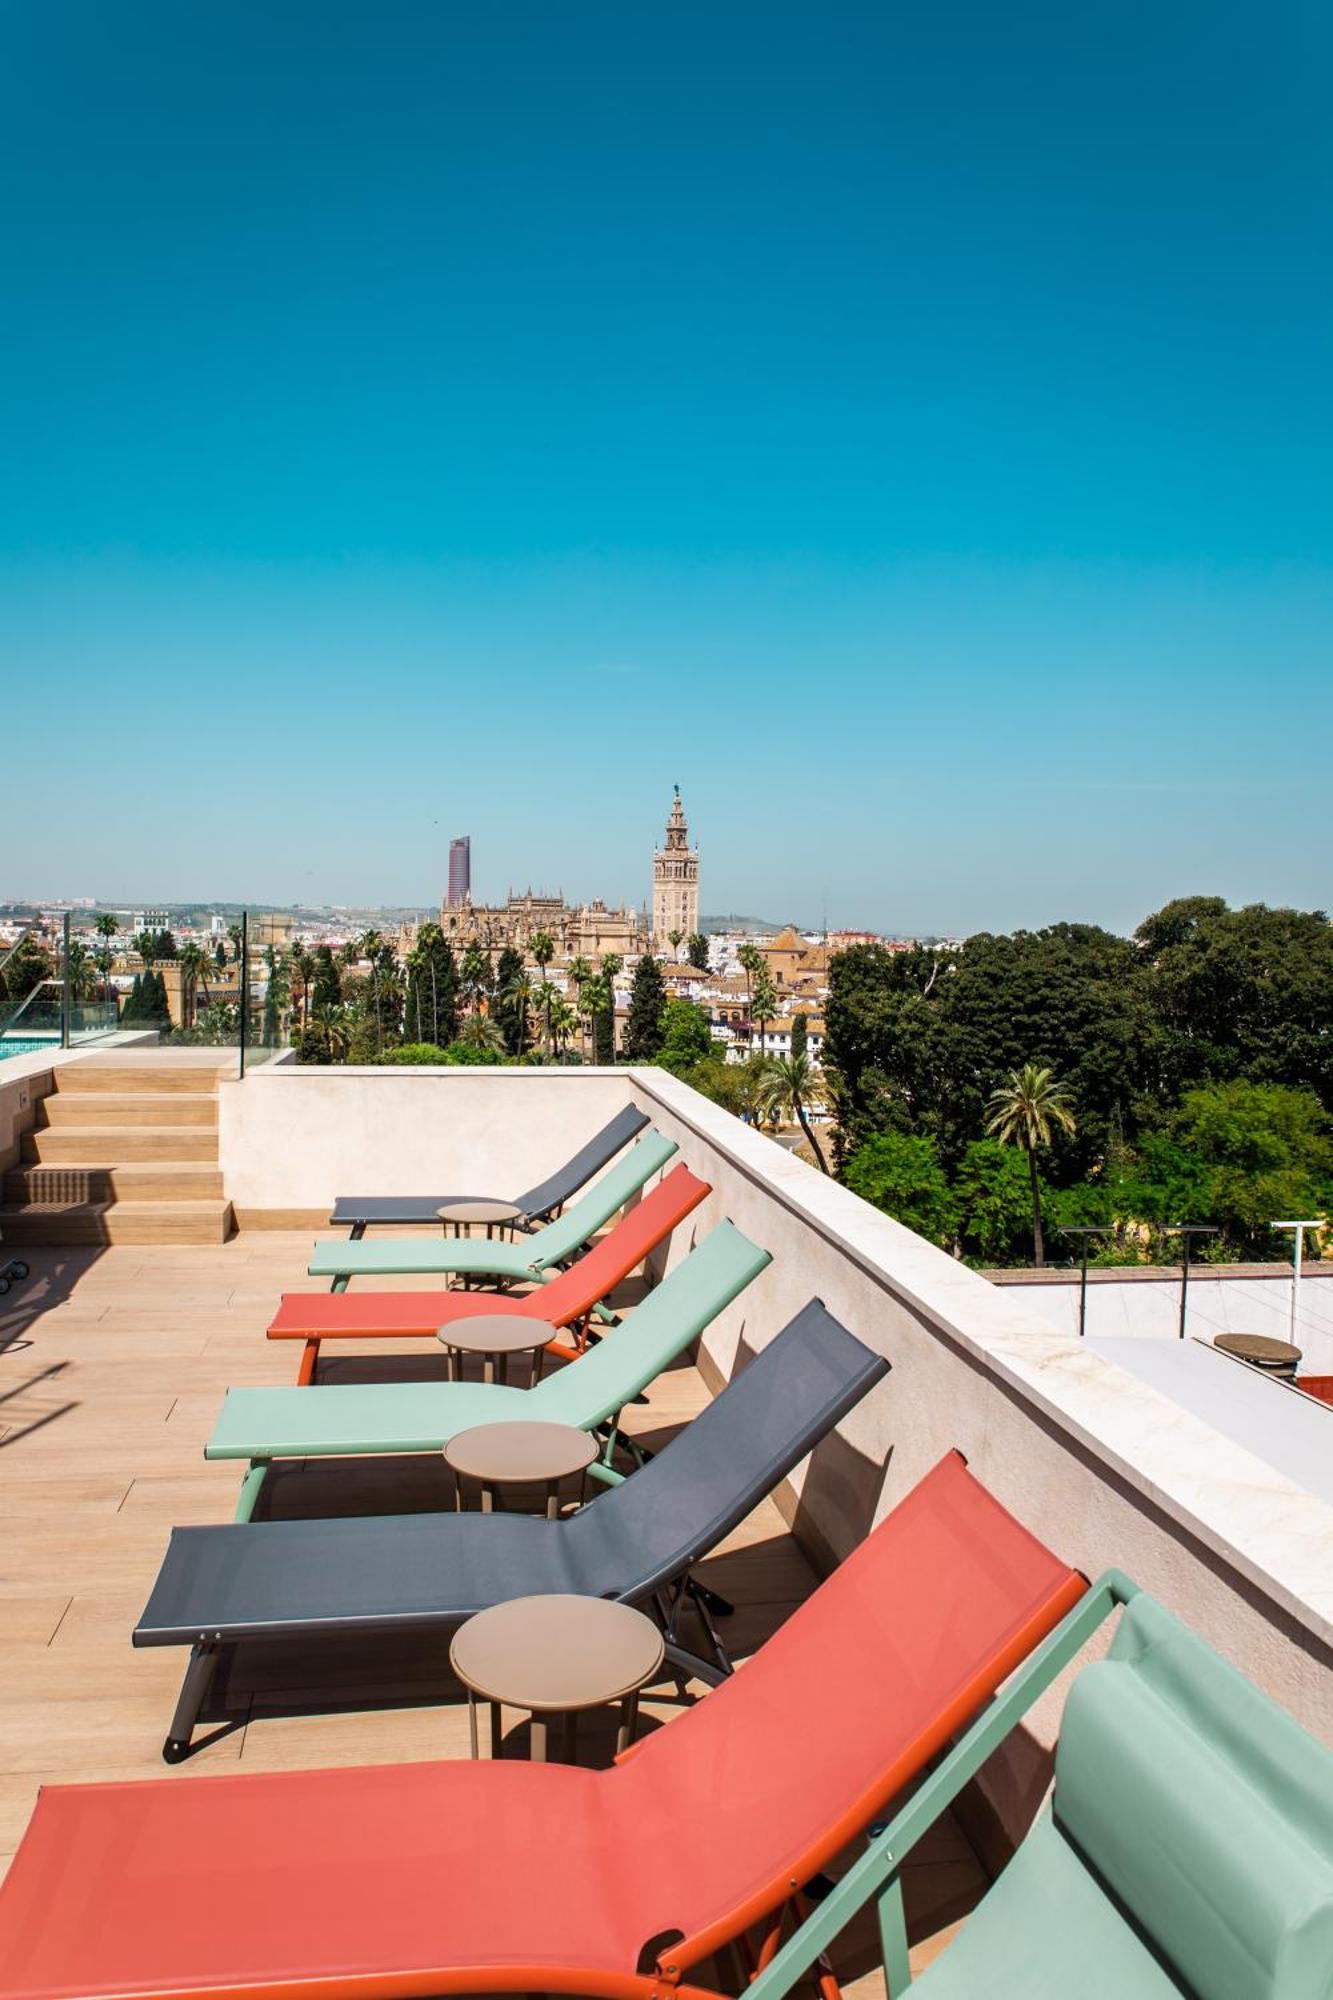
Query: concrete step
114	1145
147	1180
65	1107
34	1225
163	1079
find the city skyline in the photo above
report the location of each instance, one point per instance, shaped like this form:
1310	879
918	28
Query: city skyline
914	433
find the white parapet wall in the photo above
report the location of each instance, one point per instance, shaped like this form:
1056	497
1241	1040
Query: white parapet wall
292	1139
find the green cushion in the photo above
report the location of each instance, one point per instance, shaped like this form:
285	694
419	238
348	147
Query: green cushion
528	1256
338	1421
1205	1810
1047	1931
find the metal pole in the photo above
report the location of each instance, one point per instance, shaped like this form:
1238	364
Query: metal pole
1187	1231
1298	1230
245	981
64	984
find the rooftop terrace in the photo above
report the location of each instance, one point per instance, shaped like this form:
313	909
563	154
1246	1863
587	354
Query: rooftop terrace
114	1359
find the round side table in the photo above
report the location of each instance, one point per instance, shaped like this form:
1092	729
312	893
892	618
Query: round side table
555	1655
1272	1357
496	1336
498	1217
519	1455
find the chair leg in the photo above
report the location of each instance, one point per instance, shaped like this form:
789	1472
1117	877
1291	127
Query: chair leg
195	1686
309	1364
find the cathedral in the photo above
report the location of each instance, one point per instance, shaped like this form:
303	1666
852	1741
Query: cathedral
675	882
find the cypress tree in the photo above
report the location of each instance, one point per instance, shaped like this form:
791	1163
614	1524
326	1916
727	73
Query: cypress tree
643	1029
507	968
133	1010
326	987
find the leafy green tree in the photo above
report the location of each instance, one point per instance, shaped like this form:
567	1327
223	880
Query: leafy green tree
1025	1111
993	1192
904	1177
1239	993
696	951
643	1028
430	1011
912	1036
1268	1154
687	1037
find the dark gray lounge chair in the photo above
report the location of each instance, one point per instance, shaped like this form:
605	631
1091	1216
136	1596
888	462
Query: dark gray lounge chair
415	1211
636	1542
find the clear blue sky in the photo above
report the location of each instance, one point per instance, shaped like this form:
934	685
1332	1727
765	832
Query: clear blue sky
909	428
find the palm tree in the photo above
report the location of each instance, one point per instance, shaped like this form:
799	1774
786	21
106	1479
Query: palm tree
106	930
479	1031
561	1021
673	939
751	961
580	972
194	964
303	971
786	1087
1022	1112
763	1001
542	947
474	973
517	997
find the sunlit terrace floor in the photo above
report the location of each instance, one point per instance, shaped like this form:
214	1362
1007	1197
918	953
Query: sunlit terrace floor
112	1365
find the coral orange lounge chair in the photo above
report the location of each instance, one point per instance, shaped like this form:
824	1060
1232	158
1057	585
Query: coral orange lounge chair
419	1879
567	1301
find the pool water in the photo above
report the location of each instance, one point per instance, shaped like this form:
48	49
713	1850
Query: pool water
26	1045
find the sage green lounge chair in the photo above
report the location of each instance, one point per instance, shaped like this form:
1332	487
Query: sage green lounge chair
337	1421
1186	1854
529	1257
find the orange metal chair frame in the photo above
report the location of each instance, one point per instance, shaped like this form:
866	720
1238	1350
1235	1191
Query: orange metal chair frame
567	1301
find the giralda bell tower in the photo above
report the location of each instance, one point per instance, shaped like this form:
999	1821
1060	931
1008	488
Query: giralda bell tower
675	881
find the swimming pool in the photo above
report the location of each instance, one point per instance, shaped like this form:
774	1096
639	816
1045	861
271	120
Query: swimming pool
26	1045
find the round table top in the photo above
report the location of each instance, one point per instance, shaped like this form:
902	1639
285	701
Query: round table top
479	1211
495	1333
1259	1348
515	1452
555	1654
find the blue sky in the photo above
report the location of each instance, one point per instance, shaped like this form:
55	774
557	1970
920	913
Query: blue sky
909	429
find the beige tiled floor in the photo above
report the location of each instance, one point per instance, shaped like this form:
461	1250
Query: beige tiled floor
112	1365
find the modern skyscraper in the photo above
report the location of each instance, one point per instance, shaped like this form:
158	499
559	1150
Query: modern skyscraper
460	871
675	881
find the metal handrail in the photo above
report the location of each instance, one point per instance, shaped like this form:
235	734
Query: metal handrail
25	933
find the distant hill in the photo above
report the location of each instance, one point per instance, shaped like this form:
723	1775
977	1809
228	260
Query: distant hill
755	926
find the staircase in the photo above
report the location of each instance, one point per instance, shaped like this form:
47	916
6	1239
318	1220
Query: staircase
121	1153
